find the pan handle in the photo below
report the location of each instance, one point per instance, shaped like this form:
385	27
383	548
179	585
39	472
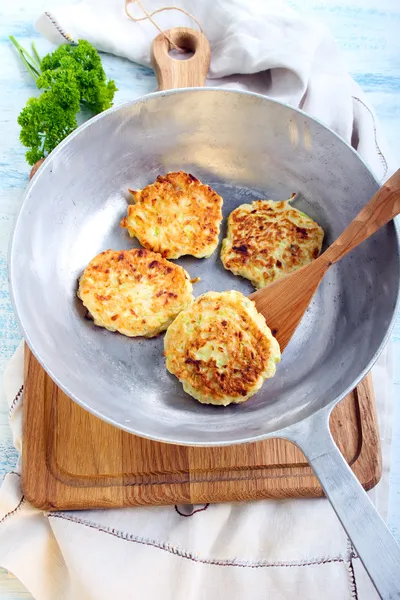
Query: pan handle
367	531
173	73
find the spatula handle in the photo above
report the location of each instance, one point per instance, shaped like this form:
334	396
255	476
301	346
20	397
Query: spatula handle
173	73
382	208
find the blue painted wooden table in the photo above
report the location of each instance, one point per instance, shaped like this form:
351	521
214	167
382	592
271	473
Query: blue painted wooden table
368	33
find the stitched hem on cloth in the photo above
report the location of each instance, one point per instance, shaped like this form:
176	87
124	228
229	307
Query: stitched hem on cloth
346	561
379	151
17	401
180	552
14	510
350	571
65	35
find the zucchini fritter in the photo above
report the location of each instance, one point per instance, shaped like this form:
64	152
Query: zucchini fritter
135	292
221	348
176	215
267	240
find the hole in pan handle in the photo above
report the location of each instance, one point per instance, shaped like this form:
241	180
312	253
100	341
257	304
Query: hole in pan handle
172	73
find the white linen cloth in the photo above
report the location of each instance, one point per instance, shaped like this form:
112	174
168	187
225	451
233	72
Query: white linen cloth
267	549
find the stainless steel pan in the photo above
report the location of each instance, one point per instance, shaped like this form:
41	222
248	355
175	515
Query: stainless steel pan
246	147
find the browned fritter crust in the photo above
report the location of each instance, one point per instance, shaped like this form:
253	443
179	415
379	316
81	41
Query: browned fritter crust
135	292
267	240
221	349
176	215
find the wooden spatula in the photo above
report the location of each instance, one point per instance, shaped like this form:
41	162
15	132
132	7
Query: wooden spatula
284	302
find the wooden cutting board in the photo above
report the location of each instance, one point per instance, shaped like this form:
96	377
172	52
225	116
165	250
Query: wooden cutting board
73	460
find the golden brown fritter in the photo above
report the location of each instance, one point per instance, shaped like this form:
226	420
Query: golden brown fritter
267	240
135	292
221	349
176	215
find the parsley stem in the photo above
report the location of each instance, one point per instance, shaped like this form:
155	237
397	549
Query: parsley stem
36	55
26	58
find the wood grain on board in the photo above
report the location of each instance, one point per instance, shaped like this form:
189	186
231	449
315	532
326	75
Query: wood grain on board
73	460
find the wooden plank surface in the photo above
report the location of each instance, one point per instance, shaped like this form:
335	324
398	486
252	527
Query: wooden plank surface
73	460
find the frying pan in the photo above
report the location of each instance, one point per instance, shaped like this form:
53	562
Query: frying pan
246	147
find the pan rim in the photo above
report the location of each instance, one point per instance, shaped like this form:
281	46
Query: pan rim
282	432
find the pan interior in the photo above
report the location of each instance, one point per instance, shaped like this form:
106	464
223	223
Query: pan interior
246	147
